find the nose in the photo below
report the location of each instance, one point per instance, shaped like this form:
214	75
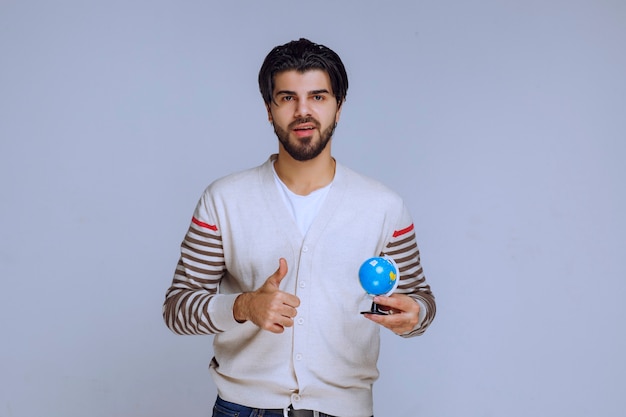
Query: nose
302	108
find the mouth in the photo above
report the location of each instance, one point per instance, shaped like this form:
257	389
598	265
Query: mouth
304	129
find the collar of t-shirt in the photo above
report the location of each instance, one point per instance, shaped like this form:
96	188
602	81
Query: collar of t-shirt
303	208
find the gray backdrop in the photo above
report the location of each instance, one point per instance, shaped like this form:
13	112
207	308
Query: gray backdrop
501	123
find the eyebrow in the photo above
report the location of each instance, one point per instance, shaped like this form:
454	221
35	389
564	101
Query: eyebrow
310	93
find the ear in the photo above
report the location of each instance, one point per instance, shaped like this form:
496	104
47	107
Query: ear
338	114
269	113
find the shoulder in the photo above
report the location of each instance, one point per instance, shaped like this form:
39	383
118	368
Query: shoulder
238	182
363	186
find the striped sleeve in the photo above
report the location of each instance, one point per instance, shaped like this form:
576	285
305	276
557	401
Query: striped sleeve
196	279
402	248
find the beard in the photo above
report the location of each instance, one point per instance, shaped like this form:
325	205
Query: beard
305	148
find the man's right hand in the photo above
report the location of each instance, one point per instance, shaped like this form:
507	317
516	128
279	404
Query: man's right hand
268	307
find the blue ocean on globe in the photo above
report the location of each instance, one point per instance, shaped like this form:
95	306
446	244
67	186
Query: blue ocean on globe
378	275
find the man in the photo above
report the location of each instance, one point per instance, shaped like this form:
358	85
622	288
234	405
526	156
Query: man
269	264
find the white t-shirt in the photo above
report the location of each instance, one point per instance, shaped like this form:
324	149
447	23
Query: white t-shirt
304	208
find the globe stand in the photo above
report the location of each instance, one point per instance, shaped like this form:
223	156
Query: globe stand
378	310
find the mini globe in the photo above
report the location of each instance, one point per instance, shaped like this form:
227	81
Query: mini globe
379	275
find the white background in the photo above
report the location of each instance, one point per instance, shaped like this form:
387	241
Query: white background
502	123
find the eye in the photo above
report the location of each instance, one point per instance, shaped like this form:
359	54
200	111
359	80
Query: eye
287	98
318	98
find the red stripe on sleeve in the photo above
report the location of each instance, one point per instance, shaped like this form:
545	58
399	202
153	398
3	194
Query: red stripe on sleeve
403	231
203	224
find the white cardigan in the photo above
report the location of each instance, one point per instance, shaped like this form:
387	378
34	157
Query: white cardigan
327	361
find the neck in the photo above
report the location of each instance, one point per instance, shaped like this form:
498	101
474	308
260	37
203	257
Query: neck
304	177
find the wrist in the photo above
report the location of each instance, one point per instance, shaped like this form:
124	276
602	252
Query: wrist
239	308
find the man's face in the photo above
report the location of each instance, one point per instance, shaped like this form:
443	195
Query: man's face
304	112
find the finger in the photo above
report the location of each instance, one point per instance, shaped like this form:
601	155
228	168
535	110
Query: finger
279	324
286	322
289	311
280	273
275	328
284	300
396	323
386	301
291	301
398	302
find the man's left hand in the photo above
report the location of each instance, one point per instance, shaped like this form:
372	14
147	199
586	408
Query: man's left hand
404	314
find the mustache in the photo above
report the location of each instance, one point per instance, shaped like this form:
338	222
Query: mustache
303	120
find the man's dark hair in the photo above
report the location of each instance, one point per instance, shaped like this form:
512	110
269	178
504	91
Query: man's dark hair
303	55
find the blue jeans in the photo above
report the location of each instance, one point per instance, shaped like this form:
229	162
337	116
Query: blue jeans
224	408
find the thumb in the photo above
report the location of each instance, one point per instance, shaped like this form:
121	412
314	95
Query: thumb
280	273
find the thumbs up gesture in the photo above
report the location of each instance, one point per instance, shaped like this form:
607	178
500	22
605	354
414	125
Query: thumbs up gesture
268	307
